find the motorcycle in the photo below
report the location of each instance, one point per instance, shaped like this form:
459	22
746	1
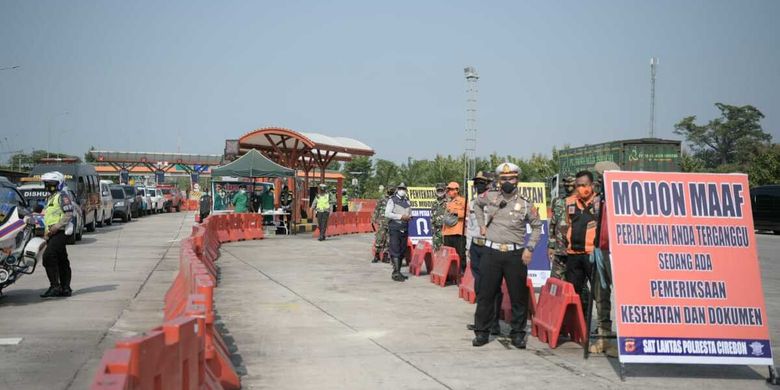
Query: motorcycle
20	249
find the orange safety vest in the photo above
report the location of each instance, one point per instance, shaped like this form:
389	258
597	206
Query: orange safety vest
583	222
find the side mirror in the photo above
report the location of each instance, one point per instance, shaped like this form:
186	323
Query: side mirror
105	193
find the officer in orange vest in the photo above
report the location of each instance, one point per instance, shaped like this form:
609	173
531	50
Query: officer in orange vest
582	216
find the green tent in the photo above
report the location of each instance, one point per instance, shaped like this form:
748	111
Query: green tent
253	164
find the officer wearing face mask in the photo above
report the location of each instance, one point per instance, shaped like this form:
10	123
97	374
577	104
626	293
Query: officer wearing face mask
398	213
438	211
582	217
557	244
502	217
482	182
57	214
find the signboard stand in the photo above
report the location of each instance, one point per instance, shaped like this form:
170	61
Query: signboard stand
686	278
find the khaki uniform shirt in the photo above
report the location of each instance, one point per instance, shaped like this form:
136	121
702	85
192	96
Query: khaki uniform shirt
508	223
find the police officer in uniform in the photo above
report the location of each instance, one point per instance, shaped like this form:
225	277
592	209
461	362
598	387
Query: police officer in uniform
398	213
482	182
321	205
58	213
556	245
502	217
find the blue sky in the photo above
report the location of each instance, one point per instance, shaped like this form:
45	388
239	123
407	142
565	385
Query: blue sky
175	75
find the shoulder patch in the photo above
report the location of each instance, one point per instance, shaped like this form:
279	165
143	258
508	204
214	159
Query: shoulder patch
534	212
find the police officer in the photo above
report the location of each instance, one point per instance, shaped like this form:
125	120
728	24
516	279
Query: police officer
556	246
380	225
438	210
344	200
482	182
58	213
321	206
502	217
398	212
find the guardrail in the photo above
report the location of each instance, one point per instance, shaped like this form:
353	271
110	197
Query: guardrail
187	351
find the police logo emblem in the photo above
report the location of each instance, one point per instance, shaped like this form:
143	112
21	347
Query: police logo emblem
629	345
757	349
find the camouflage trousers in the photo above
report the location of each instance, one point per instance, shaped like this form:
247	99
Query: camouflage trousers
558	267
437	239
602	296
381	238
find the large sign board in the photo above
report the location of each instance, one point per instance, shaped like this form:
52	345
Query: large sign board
687	281
421	199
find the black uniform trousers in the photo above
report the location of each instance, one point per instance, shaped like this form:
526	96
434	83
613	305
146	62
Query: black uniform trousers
578	273
457	241
398	238
476	253
322	222
494	267
55	260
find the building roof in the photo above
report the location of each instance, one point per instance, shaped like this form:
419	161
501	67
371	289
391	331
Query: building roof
153	157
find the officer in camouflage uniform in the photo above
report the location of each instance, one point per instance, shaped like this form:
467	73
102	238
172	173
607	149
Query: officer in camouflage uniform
380	224
556	246
438	211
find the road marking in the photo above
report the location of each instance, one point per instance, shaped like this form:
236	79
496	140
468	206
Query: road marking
10	341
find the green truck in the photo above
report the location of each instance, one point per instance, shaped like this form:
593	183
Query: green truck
646	154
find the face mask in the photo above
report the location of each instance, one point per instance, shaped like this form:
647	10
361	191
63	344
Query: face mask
585	192
481	187
508	187
401	193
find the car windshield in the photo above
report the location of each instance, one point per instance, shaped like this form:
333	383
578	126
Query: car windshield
117	193
166	191
9	201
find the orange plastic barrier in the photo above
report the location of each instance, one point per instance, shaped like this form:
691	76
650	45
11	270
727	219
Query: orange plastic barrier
187	351
506	304
559	312
466	287
422	254
446	266
254	227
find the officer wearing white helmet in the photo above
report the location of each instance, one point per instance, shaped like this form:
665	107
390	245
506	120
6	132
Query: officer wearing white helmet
398	213
58	213
321	206
502	216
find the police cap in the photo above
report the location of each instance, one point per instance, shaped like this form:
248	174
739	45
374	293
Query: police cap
507	169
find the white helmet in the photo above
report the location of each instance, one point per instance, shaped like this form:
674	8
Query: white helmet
55	176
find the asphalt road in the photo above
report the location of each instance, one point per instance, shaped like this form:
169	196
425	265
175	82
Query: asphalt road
304	314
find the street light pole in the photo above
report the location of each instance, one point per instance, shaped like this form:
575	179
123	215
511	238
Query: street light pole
51	119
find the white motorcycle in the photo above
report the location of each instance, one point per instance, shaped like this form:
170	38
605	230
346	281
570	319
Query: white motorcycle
20	250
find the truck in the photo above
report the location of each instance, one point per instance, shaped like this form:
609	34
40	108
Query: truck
644	154
172	197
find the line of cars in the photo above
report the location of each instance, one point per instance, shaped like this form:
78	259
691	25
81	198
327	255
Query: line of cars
98	202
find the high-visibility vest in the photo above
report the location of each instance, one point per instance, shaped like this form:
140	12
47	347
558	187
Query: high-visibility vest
54	212
583	223
322	202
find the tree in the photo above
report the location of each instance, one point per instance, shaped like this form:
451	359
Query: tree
765	168
359	168
734	138
28	160
88	157
689	163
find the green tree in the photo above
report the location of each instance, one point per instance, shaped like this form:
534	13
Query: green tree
734	138
88	156
359	168
765	168
690	163
28	160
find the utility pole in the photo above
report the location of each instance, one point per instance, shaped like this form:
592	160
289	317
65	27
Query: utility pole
470	153
653	68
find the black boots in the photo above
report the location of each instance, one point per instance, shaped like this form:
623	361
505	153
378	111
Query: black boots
397	276
376	258
54	291
480	341
519	341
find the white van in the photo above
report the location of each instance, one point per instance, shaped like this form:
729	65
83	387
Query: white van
105	212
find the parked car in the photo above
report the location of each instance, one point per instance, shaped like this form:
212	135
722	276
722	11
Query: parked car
766	207
146	197
160	203
172	197
156	199
36	195
121	202
82	179
135	201
106	210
